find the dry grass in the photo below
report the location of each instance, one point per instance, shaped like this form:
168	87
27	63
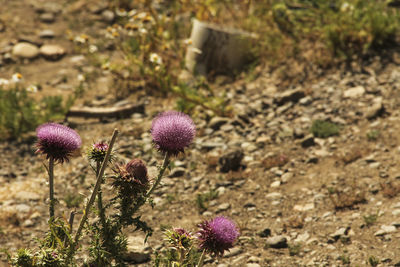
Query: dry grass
275	161
390	189
346	199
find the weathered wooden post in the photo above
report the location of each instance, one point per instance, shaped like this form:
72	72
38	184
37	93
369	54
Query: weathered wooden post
217	50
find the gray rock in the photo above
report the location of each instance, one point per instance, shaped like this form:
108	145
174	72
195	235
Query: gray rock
177	172
47	34
302	238
25	50
233	252
289	96
137	252
385	229
376	109
216	123
52	52
223	207
230	161
274	196
265	233
307	141
47	17
275	184
278	241
108	16
354	92
306	207
340	233
286	177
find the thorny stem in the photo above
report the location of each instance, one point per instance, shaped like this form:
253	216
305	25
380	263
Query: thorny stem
51	187
160	174
201	260
93	196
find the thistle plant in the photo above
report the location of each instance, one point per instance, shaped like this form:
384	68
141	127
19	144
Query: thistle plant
57	142
172	132
217	236
213	237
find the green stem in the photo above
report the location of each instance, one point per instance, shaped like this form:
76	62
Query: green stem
201	260
160	174
93	196
51	187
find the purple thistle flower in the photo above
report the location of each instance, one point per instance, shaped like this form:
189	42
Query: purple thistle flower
98	151
57	141
172	131
217	235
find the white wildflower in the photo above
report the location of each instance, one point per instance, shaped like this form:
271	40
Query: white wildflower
81	77
154	58
93	49
188	42
32	88
121	12
16	77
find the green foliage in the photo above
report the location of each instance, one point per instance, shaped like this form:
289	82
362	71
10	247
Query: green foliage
73	200
294	250
373	135
324	129
24	258
371	219
203	199
21	113
181	252
373	261
348	28
345	259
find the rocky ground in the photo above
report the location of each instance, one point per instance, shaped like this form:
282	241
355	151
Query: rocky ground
298	200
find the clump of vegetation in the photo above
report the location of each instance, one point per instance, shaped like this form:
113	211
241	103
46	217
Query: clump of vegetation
345	259
390	189
20	112
275	161
370	219
373	135
203	199
294	250
73	200
342	199
324	129
373	261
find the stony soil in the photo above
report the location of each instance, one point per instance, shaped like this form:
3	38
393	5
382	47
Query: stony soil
299	200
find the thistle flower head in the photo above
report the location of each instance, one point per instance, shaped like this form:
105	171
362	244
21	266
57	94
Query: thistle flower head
217	235
98	151
57	141
172	131
179	238
132	178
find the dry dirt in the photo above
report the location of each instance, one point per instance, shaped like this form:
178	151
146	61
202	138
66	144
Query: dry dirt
317	196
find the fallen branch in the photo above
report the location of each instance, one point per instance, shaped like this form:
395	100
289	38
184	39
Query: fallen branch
106	112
